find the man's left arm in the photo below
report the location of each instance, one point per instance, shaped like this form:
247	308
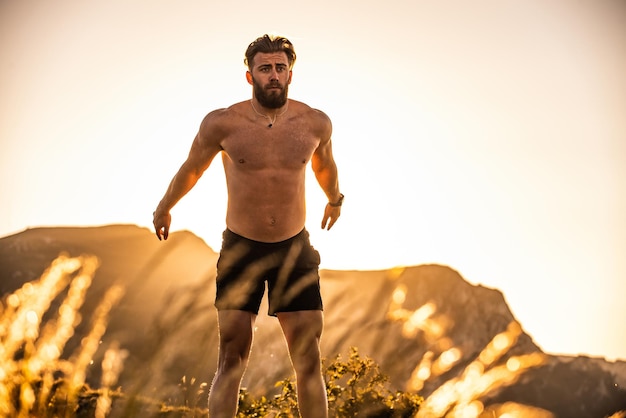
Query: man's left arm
325	169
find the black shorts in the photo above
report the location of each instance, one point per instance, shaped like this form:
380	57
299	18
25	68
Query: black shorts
290	267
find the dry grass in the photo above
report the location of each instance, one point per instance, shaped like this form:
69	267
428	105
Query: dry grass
35	381
33	376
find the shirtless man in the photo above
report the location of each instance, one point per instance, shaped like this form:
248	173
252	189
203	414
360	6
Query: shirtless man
266	144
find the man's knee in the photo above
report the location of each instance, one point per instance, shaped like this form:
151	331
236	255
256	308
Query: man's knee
306	361
233	358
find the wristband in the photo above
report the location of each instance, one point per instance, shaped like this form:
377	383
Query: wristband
338	202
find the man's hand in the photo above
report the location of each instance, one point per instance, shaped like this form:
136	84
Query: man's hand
162	223
331	214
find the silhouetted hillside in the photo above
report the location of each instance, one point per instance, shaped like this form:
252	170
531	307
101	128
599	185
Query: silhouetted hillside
400	318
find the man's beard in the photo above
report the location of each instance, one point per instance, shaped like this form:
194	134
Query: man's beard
270	99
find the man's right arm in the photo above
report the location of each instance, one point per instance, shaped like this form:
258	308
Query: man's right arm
204	148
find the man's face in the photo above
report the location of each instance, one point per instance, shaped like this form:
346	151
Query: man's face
270	77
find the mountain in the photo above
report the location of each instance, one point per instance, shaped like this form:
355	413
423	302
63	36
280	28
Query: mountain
427	328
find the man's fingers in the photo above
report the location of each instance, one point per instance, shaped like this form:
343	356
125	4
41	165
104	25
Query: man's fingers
331	214
328	222
161	226
162	233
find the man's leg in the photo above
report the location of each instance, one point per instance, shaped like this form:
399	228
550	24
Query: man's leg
235	332
303	330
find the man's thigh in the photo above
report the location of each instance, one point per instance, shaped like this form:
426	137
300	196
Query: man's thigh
235	331
302	329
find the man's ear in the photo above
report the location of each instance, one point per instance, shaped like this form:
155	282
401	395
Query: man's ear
249	77
290	74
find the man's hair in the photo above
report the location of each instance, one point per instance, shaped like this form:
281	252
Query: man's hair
267	44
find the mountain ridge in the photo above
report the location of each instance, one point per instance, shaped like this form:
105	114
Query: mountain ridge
375	311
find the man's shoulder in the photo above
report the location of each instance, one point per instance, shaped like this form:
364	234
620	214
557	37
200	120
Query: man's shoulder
310	112
226	112
223	116
317	121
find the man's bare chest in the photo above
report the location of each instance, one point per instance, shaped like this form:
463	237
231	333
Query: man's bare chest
276	147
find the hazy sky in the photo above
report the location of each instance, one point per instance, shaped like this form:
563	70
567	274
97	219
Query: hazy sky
489	136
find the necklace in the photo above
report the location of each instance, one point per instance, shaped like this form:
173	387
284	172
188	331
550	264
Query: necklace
272	120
